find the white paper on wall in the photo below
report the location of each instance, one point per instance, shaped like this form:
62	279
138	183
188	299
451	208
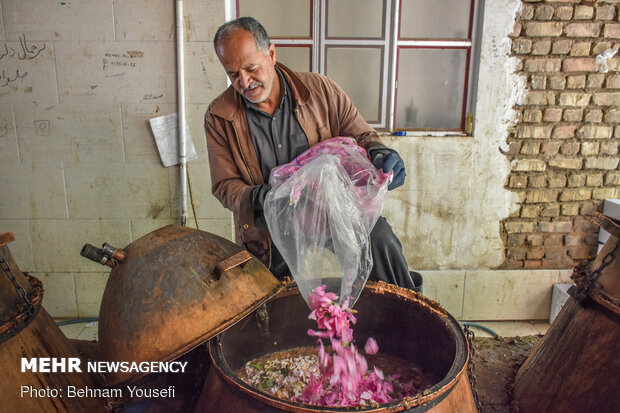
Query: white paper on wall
166	137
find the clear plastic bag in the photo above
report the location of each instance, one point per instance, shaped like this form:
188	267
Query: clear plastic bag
320	211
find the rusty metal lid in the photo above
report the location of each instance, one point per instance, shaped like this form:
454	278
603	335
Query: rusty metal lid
176	288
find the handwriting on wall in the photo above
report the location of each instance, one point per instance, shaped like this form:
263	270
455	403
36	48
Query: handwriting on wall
115	64
15	58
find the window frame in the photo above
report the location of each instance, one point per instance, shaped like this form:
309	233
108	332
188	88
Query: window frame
391	44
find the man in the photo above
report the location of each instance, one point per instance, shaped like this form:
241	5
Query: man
267	117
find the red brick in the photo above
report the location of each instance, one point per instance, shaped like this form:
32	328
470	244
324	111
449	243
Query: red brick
541	195
583	13
576	82
519	226
535	240
530	211
561	46
550	210
557	226
575	99
594	116
570	148
541	47
587	208
575	194
582	252
605	193
535	253
530	264
570	209
564	132
544	65
573	115
612	30
574	239
612	178
544	12
609	148
517	181
526	12
552	115
595	81
515	240
564	12
511	264
582	29
550	147
613	82
601	163
582	224
605	12
552	239
543	29
576	180
580	64
522	46
606	98
516	253
538	181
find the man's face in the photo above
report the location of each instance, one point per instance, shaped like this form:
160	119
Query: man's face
251	71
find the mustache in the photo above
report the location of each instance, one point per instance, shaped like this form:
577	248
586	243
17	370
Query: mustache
252	86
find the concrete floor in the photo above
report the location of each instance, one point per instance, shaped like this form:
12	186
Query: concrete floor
88	330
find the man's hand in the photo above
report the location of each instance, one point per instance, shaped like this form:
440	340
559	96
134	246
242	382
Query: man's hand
257	196
389	160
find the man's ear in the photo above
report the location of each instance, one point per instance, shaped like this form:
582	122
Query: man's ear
272	53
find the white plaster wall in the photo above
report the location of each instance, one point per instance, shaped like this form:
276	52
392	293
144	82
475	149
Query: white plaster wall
78	162
79	81
448	213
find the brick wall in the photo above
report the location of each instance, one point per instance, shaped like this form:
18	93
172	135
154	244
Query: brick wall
564	148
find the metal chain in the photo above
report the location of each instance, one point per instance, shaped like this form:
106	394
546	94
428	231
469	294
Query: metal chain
469	334
609	258
18	287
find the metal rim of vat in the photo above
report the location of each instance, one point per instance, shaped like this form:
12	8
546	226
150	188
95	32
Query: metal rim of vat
423	401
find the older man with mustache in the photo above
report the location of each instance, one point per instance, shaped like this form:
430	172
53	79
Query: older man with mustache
267	117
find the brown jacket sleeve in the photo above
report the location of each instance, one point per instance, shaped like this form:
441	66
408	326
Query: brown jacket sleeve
227	183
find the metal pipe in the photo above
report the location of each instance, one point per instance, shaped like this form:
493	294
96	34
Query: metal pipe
181	111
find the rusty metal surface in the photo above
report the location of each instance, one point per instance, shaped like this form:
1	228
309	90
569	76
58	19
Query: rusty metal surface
437	343
14	314
164	299
6	237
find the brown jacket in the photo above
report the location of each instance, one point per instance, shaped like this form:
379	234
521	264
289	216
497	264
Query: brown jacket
323	111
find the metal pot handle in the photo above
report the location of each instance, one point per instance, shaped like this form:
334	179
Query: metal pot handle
231	262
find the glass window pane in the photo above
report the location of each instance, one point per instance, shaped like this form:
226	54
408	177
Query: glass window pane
439	19
430	88
355	18
296	58
358	72
281	18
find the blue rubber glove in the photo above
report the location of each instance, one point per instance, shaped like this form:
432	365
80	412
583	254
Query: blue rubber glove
389	160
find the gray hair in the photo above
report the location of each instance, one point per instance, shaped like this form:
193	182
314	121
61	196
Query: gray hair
249	24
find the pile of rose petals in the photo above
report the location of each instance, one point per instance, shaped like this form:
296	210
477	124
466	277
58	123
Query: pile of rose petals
345	379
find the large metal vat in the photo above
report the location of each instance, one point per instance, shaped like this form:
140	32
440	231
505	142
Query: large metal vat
176	288
576	367
27	331
404	323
